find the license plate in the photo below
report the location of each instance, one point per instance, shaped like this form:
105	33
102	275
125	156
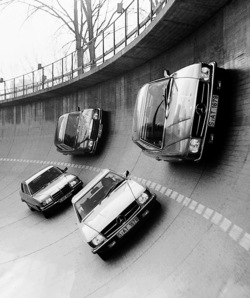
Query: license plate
65	197
100	131
128	227
213	111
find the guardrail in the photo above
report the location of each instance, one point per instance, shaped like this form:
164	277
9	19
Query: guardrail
126	27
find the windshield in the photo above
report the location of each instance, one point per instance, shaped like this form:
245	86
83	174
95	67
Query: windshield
152	124
44	179
71	129
97	194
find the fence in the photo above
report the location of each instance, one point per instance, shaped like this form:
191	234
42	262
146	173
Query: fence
123	30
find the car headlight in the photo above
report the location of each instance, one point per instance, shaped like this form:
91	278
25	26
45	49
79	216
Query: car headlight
99	239
205	74
73	183
90	144
143	198
96	115
194	145
47	201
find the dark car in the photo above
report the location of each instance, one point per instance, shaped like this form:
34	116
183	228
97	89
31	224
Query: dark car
79	132
108	208
175	116
49	187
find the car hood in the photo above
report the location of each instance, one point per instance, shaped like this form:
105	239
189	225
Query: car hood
178	123
85	125
53	187
110	208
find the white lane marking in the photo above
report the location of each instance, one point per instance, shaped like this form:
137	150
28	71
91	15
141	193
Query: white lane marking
168	192
234	231
245	241
208	213
225	224
163	189
174	194
157	187
216	218
186	201
192	205
200	209
180	198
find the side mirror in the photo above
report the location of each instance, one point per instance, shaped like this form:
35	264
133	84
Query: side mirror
126	173
65	169
166	73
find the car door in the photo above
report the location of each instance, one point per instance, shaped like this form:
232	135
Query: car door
27	197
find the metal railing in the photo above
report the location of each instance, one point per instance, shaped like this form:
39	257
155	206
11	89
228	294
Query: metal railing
126	27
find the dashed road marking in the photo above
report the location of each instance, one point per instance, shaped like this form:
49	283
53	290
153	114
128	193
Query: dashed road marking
235	232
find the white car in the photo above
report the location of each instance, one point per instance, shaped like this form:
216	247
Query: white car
49	187
109	207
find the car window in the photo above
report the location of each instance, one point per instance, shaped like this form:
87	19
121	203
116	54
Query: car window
96	195
44	179
71	129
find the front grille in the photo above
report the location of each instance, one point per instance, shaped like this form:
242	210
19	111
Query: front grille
61	193
95	129
201	110
115	225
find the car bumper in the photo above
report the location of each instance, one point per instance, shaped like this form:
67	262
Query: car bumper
140	215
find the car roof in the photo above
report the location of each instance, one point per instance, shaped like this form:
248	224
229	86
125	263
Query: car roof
32	177
90	185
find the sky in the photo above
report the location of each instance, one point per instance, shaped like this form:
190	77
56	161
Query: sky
25	44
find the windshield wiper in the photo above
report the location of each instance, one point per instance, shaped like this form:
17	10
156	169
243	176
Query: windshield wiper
113	187
167	97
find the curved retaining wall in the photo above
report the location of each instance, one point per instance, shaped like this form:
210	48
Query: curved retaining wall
197	245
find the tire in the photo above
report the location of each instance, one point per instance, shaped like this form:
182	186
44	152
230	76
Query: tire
31	208
46	214
103	255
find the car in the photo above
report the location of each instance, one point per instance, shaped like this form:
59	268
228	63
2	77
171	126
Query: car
79	132
108	208
49	187
175	116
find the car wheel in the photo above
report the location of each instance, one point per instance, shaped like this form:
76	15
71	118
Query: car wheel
46	214
104	255
31	208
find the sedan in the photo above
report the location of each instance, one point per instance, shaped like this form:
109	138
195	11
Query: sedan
175	117
110	207
79	132
49	187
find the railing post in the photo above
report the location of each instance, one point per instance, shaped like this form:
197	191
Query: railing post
42	78
23	84
114	37
151	10
14	86
62	70
52	74
103	47
125	27
72	66
138	18
33	83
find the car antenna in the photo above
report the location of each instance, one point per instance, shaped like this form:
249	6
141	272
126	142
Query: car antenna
130	186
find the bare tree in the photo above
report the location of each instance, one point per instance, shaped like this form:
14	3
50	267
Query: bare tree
85	19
